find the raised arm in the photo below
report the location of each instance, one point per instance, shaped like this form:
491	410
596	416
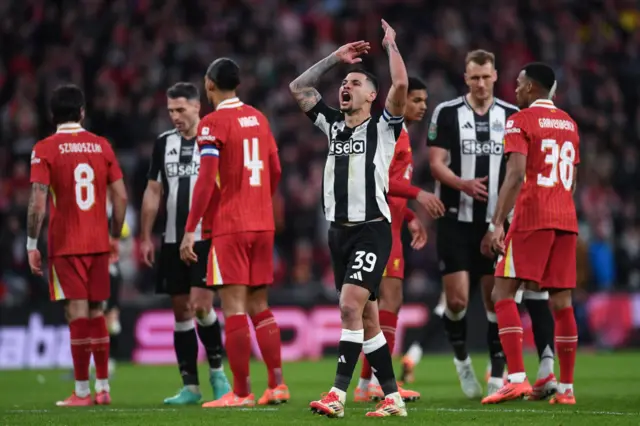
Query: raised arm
302	88
397	96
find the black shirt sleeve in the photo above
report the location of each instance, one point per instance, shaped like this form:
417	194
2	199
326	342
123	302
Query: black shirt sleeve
156	166
441	128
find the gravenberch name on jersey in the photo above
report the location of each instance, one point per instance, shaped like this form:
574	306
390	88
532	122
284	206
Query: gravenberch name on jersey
80	147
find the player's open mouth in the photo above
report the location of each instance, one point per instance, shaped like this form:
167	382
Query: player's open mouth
346	96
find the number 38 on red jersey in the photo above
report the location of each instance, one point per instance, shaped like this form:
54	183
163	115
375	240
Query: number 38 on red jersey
549	138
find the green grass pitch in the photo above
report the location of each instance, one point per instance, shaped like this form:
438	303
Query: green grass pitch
607	390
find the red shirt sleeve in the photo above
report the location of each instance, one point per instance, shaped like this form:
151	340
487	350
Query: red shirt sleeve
213	134
409	215
40	167
274	165
515	135
114	171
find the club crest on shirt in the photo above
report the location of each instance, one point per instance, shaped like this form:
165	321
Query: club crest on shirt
497	126
433	131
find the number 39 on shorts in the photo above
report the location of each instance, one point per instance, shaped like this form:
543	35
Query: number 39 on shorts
561	159
369	261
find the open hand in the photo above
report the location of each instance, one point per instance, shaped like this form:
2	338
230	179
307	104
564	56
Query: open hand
497	240
389	34
350	53
186	248
418	234
431	204
476	188
35	262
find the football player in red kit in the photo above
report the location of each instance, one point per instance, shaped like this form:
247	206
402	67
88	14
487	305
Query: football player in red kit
542	142
76	168
239	159
400	190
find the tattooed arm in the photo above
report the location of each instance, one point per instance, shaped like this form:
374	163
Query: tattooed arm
302	88
37	211
397	96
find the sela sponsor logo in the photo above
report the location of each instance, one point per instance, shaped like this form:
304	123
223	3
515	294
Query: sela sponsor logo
474	147
182	169
312	331
35	345
554	123
347	148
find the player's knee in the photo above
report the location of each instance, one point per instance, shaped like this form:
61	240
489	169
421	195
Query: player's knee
456	304
74	309
350	311
560	299
182	311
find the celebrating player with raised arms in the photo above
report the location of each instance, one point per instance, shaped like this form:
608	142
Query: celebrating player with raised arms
77	167
542	142
239	159
400	190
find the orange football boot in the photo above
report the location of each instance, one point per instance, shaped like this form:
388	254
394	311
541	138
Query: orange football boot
278	395
544	388
232	400
361	395
75	401
103	398
566	398
375	392
509	392
408	395
408	375
388	408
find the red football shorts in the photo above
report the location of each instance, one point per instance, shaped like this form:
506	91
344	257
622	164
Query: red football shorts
80	277
244	258
544	256
395	264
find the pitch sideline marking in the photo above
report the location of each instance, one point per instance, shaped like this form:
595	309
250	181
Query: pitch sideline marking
450	410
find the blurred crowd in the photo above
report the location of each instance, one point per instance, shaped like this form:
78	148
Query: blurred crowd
125	53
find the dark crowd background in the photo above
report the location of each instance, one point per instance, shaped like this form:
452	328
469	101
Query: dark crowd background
125	53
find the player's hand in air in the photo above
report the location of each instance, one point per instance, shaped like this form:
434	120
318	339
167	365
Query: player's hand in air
147	252
187	254
431	204
35	262
497	240
418	234
476	188
389	34
114	250
350	53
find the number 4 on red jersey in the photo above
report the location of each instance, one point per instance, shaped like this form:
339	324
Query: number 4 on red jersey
549	138
248	169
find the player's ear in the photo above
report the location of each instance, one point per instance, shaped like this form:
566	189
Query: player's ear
494	76
82	114
373	95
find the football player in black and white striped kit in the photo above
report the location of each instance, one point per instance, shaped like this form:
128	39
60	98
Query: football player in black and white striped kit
172	175
356	179
466	158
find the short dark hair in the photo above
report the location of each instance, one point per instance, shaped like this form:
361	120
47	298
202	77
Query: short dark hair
480	57
225	73
372	78
540	73
416	84
66	104
182	89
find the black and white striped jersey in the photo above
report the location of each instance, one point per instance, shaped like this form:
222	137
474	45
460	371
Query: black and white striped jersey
175	163
475	145
356	174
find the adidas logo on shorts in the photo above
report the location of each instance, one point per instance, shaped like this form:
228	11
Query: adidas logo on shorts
356	276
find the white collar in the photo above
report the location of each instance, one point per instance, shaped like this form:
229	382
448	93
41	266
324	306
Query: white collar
543	103
230	103
69	128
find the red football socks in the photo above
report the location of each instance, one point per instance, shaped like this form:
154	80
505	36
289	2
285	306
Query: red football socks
566	332
80	348
238	343
388	324
100	346
268	336
510	330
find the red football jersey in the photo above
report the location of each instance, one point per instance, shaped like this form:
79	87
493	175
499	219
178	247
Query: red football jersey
401	168
243	136
78	166
549	138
